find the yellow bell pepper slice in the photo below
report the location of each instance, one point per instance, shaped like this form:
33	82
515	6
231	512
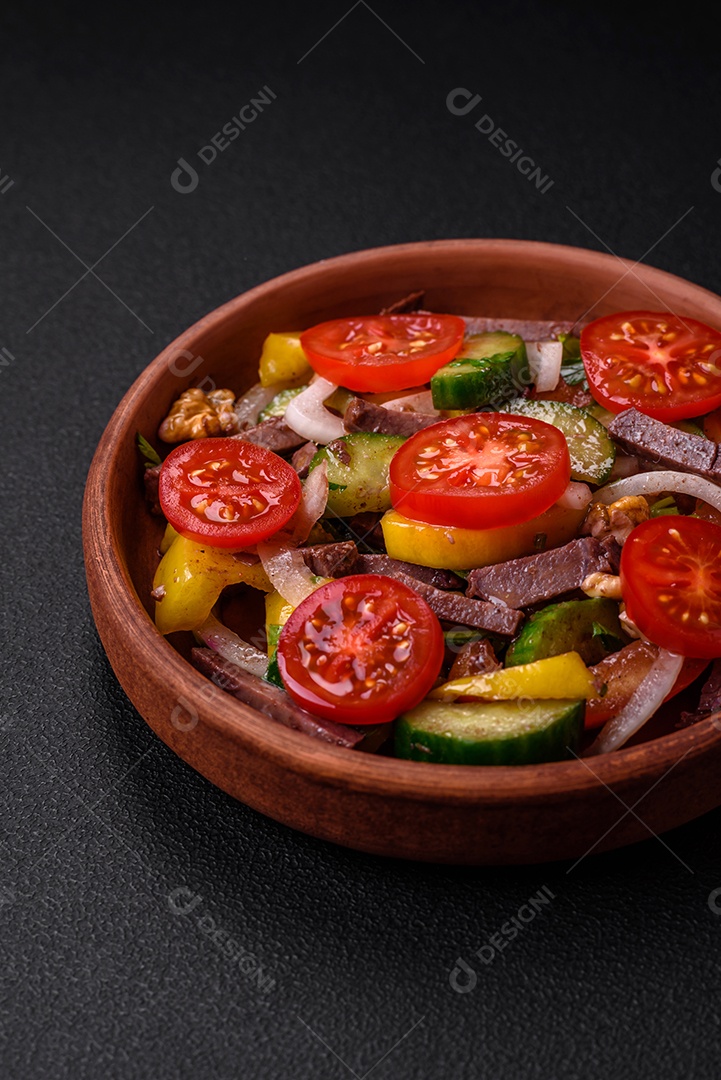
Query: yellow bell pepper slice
277	613
282	360
192	577
452	548
565	676
168	536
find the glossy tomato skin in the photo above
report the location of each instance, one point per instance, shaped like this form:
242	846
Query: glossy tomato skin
484	470
360	650
671	583
227	493
663	365
374	353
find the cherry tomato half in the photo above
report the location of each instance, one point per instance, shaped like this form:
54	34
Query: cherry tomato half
361	650
653	361
480	471
671	583
226	492
383	352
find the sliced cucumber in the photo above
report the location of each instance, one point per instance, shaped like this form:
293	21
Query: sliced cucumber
277	405
490	367
588	627
590	446
358	472
489	732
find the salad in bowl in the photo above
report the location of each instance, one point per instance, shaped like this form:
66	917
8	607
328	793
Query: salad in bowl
475	540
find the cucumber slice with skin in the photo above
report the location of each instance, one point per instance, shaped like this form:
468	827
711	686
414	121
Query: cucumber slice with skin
277	405
358	472
489	732
490	367
590	446
588	627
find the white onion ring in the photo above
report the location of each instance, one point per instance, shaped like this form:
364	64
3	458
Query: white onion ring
420	402
307	414
232	648
577	496
653	483
312	505
643	703
251	404
288	573
544	361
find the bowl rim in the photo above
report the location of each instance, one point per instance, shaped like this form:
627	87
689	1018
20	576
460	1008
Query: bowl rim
367	773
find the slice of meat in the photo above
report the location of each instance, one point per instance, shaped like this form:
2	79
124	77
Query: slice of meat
363	415
528	329
709	701
569	395
366	528
150	483
664	445
274	434
533	578
270	700
409	303
475	658
384	564
458	609
302	458
331	560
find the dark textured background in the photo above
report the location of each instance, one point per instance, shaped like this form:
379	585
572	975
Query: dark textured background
102	976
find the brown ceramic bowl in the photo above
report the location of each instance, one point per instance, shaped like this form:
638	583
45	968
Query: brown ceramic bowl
436	813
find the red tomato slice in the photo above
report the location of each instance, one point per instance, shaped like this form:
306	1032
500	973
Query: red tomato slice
623	671
227	493
483	470
383	352
671	583
361	650
653	361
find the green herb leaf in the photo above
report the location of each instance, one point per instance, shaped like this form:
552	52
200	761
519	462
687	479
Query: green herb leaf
663	507
149	455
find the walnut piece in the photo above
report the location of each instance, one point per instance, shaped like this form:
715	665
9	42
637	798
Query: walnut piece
617	519
598	584
197	415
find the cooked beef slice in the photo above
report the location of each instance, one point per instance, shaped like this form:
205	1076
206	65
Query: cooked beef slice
664	445
150	482
302	458
475	658
409	303
270	700
533	578
274	434
456	608
363	415
331	560
384	564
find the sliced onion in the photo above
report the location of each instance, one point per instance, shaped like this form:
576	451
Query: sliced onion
232	648
312	504
288	573
577	496
544	361
643	703
420	402
251	404
307	414
653	483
